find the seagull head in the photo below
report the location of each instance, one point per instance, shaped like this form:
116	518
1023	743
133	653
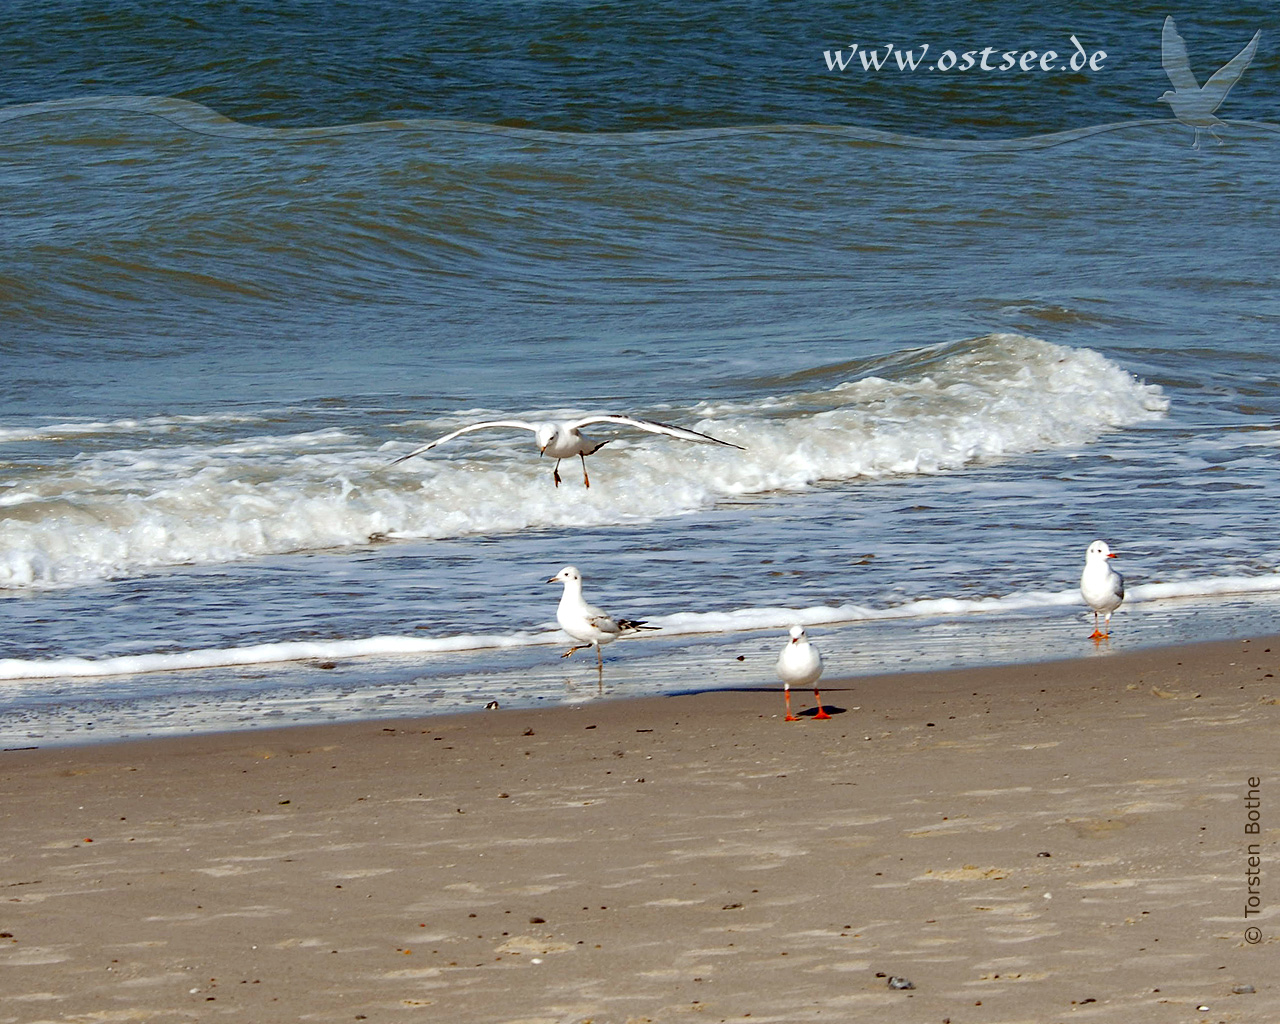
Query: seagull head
1098	549
546	433
566	574
797	634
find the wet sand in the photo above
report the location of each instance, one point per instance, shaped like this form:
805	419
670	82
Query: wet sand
1036	843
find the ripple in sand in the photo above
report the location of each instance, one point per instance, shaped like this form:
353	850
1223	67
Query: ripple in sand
225	870
532	944
968	873
33	956
1021	932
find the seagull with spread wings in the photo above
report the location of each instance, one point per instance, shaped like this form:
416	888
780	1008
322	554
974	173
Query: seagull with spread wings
564	440
1192	103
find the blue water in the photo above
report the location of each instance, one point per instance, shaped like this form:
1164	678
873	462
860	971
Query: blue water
218	334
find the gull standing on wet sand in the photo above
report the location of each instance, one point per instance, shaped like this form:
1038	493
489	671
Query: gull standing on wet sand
585	622
800	663
564	440
1101	586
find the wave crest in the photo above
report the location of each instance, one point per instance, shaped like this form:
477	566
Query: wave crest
119	512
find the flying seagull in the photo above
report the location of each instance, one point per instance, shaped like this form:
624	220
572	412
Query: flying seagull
800	663
564	440
1192	103
593	626
1101	586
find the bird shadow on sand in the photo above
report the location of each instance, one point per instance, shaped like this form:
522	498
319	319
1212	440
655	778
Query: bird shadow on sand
830	709
693	690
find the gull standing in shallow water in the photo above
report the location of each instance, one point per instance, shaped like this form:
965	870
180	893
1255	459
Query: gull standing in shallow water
1101	586
800	663
564	440
585	622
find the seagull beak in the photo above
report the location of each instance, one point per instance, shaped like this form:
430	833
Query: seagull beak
554	579
1113	555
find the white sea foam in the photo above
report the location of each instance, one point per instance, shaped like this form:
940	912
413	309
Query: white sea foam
258	654
116	513
679	624
129	425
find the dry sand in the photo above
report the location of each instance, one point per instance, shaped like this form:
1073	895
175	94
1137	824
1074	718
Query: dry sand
1042	843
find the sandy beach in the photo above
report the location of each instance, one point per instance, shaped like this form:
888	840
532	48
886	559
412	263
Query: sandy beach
1037	843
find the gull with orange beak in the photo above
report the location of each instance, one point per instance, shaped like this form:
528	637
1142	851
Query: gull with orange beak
591	626
1101	586
564	440
800	663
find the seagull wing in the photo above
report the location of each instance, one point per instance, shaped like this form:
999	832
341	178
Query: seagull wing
1173	55
1215	90
1117	585
653	427
603	621
485	425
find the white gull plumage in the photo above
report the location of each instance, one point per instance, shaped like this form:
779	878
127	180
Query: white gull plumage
562	439
593	626
800	663
1100	585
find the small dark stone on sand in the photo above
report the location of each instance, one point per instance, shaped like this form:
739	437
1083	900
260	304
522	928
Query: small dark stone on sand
1243	990
900	983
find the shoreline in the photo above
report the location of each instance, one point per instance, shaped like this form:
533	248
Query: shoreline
69	712
1031	842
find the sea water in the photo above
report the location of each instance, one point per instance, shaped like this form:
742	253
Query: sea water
954	347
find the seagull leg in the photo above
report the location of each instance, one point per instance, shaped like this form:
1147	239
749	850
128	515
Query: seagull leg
818	697
786	689
580	647
599	659
555	473
585	481
1097	634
